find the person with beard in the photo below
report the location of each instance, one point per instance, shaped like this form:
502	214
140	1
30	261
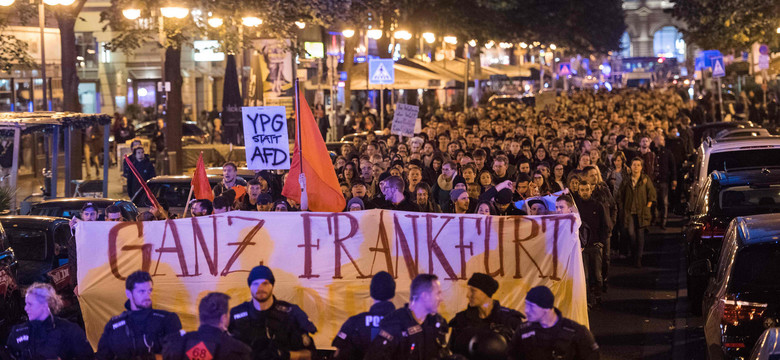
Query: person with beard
462	204
444	184
211	341
355	336
274	329
483	315
139	331
229	179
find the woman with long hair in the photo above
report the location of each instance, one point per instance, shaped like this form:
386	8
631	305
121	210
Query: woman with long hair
44	335
558	181
617	172
424	200
541	183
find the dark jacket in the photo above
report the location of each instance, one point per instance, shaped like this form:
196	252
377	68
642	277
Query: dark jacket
48	339
274	332
207	343
592	213
666	166
467	323
355	336
633	200
137	334
402	338
145	169
566	340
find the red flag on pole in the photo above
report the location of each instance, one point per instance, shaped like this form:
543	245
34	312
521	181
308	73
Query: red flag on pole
148	191
322	185
201	188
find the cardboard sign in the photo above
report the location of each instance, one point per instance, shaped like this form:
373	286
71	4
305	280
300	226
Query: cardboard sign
265	136
404	119
323	262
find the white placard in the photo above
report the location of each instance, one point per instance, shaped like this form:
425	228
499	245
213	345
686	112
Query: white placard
265	136
404	119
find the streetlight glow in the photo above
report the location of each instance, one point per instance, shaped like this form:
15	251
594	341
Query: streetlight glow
51	2
175	12
214	22
375	34
131	14
300	24
6	2
402	35
490	44
473	43
505	45
348	33
429	37
451	40
251	21
553	47
523	45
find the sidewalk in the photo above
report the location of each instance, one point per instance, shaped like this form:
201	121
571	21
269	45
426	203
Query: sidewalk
27	185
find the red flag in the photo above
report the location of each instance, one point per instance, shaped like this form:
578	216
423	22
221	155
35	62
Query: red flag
322	185
201	189
148	191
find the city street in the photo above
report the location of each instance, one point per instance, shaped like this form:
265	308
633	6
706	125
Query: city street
645	314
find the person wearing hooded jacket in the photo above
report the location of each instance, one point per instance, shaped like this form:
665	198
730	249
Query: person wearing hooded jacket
145	168
138	332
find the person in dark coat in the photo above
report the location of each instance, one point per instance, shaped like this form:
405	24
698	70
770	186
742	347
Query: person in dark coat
143	165
44	335
635	198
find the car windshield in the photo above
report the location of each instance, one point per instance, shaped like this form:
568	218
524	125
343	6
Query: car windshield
745	200
174	194
191	130
743	159
756	268
28	244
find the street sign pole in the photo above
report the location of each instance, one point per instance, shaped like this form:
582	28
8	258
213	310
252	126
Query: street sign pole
382	104
720	99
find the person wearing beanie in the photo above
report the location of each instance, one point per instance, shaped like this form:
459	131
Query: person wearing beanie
355	336
461	203
274	329
482	316
546	333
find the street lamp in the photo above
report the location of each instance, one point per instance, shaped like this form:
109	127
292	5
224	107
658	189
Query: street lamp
6	2
473	43
131	14
523	45
214	22
251	21
300	24
348	33
429	37
402	35
553	47
452	40
375	34
175	12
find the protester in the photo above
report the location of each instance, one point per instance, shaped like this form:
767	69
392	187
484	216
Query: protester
635	197
229	179
144	167
202	207
113	213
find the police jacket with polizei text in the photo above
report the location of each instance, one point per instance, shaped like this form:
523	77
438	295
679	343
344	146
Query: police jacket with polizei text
566	340
282	328
136	334
355	336
467	323
49	339
402	338
208	342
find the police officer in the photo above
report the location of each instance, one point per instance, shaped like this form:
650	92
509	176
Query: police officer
138	332
274	329
358	331
415	331
483	315
549	335
46	336
211	341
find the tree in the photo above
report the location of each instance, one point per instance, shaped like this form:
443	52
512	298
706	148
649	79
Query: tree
729	24
14	52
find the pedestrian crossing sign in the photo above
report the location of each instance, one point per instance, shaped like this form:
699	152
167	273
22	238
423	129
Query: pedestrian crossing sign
381	72
718	70
564	69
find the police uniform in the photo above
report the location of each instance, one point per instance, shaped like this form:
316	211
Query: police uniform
467	323
136	334
208	343
49	339
358	331
401	337
566	340
273	333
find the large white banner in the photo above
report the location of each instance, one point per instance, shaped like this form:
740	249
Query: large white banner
324	261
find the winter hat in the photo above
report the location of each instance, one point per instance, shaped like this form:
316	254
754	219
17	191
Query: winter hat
504	196
382	286
455	194
541	296
356	200
484	283
261	272
619	138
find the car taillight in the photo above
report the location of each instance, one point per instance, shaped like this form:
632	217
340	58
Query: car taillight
710	230
735	311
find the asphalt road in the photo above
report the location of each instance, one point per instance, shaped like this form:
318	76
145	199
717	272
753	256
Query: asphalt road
644	314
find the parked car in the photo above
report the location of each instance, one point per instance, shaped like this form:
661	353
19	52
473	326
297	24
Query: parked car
741	132
730	154
242	172
40	244
743	295
724	196
768	345
702	131
191	134
70	207
171	189
11	303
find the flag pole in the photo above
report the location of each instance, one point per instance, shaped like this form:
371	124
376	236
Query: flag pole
302	177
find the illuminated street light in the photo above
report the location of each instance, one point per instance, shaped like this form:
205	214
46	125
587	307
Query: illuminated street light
402	35
348	33
451	40
175	12
131	14
523	45
375	34
490	44
473	43
251	21
778	29
553	47
505	45
300	24
429	37
6	2
214	22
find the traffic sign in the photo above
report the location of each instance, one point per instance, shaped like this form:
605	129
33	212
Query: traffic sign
763	62
381	72
699	64
564	69
763	49
718	70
